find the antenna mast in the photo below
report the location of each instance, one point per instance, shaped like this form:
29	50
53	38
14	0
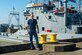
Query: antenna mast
79	5
65	13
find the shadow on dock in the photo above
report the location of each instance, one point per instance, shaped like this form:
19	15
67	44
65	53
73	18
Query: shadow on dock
14	48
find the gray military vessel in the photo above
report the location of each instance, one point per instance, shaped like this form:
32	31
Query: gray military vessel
55	17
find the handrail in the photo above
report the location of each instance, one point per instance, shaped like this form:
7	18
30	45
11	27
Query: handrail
4	34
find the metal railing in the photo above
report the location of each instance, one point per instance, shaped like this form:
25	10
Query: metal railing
5	34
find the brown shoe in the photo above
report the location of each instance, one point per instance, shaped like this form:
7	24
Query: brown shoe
32	48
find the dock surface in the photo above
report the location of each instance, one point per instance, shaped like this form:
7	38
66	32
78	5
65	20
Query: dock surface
42	52
35	52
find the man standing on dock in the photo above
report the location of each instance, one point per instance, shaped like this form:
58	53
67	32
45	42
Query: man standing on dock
32	25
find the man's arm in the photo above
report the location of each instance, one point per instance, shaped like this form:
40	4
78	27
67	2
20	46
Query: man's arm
27	28
37	28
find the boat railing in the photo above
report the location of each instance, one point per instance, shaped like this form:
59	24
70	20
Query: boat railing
5	34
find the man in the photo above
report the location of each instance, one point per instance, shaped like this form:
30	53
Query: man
32	25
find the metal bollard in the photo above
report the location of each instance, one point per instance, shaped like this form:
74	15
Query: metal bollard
43	38
53	37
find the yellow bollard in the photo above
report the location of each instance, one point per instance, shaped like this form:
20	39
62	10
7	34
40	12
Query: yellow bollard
43	38
53	37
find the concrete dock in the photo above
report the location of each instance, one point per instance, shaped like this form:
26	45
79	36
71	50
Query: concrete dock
36	52
26	51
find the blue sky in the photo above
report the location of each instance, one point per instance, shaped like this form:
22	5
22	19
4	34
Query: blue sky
7	5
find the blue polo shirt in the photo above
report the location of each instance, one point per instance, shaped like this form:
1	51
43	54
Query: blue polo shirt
32	24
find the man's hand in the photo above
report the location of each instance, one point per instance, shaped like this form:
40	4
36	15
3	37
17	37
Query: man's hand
27	28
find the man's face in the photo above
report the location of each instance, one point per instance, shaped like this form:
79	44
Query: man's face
31	16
